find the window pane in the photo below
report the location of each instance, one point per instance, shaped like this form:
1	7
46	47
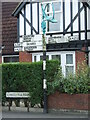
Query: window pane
57	6
56	57
34	58
11	59
69	70
69	59
54	26
41	57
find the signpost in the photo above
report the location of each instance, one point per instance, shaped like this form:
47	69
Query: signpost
29	43
45	18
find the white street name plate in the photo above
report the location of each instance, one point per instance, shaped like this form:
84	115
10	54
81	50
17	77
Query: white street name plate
17	94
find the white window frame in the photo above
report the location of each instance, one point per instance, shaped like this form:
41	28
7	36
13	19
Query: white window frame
50	13
70	65
63	58
8	57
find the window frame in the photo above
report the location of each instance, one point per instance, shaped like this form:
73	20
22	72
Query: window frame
63	58
40	16
8	56
70	65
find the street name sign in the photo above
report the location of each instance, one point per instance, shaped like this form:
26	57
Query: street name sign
17	94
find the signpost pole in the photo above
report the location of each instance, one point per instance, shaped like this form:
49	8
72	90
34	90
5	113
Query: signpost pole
43	25
44	75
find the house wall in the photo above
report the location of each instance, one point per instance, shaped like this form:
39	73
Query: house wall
9	28
67	19
80	57
32	16
25	57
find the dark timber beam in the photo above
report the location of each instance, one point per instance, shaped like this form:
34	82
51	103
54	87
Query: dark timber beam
38	15
63	17
79	22
72	21
18	28
86	43
81	31
24	20
31	18
71	12
29	22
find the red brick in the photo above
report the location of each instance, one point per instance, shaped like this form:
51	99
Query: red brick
67	101
25	57
80	57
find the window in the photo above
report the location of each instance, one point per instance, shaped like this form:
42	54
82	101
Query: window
66	58
56	57
41	57
69	64
34	58
69	58
11	59
53	27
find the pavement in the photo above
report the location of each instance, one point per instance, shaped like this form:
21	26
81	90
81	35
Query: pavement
38	113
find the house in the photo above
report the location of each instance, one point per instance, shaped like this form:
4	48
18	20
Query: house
9	32
67	40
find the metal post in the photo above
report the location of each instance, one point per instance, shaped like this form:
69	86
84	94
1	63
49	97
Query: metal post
44	75
43	25
86	43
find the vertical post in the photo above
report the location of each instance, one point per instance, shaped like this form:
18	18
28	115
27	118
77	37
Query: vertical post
28	105
86	43
43	25
9	104
44	74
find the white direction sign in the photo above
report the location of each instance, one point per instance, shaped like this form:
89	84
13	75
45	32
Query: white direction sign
29	43
34	42
18	47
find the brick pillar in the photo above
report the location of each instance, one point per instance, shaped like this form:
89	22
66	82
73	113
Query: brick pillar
80	57
25	57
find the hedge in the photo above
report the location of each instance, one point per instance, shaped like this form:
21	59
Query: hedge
27	77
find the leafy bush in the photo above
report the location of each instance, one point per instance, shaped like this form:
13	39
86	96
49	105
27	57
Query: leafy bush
71	84
26	77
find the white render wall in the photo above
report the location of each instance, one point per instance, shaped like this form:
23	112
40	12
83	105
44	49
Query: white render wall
28	28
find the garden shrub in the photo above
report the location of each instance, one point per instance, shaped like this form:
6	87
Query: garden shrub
73	83
26	77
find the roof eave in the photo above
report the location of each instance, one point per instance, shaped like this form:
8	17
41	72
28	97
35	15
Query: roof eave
18	9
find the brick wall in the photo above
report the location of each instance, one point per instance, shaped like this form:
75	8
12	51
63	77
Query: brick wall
25	57
80	57
66	101
9	28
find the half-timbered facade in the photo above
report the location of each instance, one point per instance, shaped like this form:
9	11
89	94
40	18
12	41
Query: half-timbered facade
67	40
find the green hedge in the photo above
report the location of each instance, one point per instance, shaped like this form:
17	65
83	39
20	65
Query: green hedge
27	77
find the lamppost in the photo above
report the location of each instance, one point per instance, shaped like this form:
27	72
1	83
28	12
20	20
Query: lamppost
45	18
